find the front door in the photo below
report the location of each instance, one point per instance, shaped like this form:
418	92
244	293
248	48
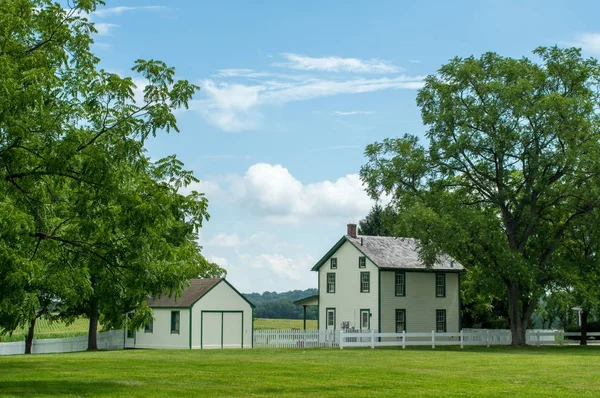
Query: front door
330	318
365	319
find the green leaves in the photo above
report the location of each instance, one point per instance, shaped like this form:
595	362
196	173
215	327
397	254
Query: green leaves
90	223
511	165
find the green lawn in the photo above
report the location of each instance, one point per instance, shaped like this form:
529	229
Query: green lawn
262	323
497	371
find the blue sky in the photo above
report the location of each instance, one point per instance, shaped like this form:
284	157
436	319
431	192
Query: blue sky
292	92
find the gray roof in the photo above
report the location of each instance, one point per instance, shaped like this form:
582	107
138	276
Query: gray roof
399	253
191	294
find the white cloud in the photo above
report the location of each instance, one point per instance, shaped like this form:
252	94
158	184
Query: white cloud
278	264
414	61
351	113
240	73
225	240
236	107
589	42
104	28
336	64
221	261
272	191
111	11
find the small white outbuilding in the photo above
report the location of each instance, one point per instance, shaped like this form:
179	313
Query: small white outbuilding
210	313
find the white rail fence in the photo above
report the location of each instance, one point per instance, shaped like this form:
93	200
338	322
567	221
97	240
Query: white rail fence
372	338
293	338
111	340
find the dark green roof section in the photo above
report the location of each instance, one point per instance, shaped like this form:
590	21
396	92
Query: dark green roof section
308	299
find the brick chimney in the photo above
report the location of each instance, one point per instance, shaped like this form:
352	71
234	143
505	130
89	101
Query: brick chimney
352	230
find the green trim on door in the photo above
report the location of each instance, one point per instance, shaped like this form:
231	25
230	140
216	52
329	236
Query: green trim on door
327	317
222	312
368	311
379	301
190	328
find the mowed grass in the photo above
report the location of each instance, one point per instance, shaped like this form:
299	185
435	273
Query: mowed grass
472	372
263	323
44	329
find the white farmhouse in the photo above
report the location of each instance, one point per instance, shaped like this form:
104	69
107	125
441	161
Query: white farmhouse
379	283
210	313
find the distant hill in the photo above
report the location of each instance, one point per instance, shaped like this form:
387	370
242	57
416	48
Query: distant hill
281	305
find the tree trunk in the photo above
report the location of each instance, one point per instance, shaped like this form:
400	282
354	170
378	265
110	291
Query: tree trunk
29	338
93	330
519	313
584	328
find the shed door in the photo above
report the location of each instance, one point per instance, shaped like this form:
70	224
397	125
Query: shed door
222	329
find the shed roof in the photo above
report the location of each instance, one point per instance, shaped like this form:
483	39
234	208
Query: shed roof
388	252
194	292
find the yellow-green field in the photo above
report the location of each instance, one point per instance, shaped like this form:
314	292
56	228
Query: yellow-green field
448	371
51	330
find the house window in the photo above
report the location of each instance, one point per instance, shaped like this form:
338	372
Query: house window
400	284
440	321
174	322
400	321
333	263
149	326
365	282
331	282
362	262
440	285
331	318
364	319
130	331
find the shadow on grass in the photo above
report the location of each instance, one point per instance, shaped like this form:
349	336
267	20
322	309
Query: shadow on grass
504	349
36	388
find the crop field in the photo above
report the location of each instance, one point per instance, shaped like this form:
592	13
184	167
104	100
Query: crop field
495	372
52	330
45	329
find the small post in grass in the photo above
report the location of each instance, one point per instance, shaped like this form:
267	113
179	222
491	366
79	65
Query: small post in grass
433	339
372	339
461	339
403	339
488	337
342	338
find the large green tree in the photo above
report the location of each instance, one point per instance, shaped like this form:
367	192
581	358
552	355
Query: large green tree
511	162
93	226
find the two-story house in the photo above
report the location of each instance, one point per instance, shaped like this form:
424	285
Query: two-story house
379	282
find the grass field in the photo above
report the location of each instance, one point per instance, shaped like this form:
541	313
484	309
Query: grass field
47	330
496	372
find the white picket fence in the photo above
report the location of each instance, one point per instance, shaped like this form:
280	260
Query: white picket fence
473	337
111	340
294	338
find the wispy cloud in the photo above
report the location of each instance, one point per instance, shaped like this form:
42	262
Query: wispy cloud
414	61
589	42
112	11
336	64
236	107
104	28
351	113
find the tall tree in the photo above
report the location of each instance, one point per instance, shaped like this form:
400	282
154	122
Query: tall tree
379	222
83	200
513	160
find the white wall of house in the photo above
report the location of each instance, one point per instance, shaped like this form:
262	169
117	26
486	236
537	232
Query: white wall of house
420	302
348	301
222	304
161	336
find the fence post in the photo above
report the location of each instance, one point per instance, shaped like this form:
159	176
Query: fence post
538	338
433	339
277	338
561	336
461	339
372	339
403	339
342	339
487	337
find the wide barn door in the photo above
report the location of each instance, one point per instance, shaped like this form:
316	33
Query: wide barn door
222	329
232	330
